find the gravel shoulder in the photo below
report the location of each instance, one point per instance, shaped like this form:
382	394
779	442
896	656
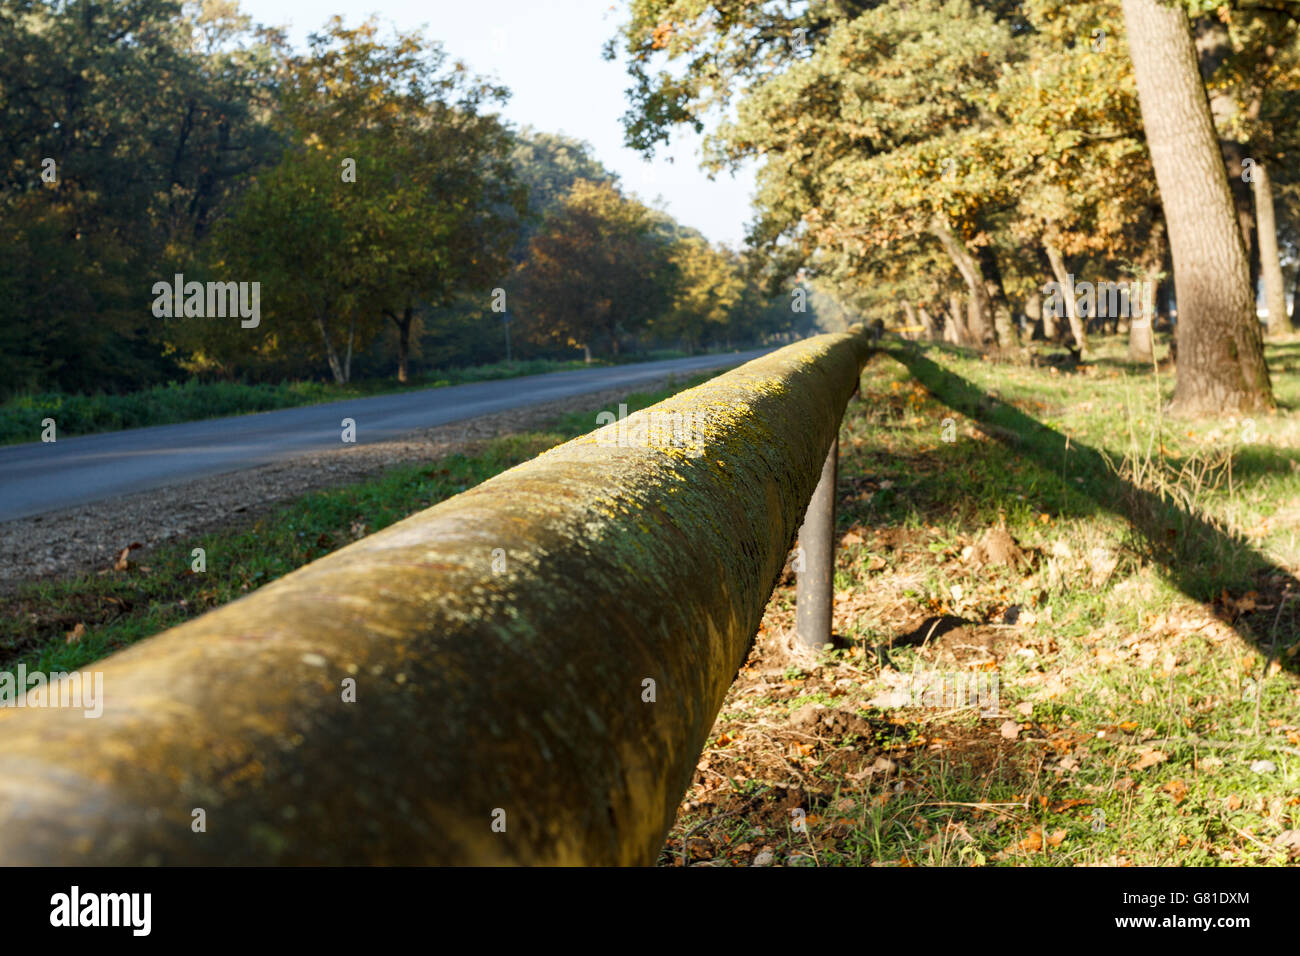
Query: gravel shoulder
88	537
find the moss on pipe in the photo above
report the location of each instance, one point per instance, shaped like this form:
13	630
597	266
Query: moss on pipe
477	690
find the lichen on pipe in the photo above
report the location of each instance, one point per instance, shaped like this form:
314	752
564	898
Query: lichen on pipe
523	674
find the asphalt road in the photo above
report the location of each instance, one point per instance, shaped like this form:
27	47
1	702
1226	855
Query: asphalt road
40	477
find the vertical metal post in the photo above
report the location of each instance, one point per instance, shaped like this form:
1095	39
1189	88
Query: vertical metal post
815	587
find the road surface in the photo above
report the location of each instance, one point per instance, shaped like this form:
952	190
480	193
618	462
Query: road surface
40	477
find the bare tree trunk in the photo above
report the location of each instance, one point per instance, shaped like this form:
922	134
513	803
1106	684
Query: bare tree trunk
981	308
1295	294
1066	286
1141	341
1213	46
949	329
403	323
1270	262
1004	323
1050	331
331	356
347	361
909	319
1034	312
927	323
1220	350
961	335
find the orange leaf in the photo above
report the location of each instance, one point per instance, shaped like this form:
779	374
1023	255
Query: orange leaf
1149	758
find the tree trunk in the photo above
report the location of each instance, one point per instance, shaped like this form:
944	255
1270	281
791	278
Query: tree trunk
1050	330
981	309
403	324
1295	294
961	335
1066	284
949	329
331	356
1270	262
347	360
1141	342
1034	313
909	330
975	324
927	323
1213	46
404	345
1004	324
1220	350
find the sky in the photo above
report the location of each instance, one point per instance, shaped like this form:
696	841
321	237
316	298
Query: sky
548	52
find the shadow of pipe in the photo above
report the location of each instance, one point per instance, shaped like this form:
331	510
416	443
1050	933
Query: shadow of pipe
1196	552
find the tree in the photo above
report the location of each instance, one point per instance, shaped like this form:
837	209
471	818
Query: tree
398	193
124	130
595	271
1250	60
708	288
1220	350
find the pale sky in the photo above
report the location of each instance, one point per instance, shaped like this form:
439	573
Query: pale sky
548	52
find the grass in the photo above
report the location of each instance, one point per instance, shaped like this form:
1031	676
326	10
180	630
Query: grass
1146	642
111	610
1146	649
21	417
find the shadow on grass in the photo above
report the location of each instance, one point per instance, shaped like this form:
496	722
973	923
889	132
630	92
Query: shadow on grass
1200	557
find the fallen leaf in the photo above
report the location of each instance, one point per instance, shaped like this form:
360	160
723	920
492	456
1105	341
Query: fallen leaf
1176	789
1070	805
1010	729
1032	843
1149	758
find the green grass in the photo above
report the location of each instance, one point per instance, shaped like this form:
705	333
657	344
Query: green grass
117	609
21	417
1186	651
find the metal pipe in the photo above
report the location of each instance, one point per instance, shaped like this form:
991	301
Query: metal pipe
815	588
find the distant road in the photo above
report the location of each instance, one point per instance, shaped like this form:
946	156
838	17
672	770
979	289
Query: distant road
40	477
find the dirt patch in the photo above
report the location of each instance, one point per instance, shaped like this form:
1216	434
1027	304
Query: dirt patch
973	646
90	537
997	547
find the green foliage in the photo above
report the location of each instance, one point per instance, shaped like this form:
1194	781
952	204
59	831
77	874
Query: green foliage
595	271
880	125
367	184
136	168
